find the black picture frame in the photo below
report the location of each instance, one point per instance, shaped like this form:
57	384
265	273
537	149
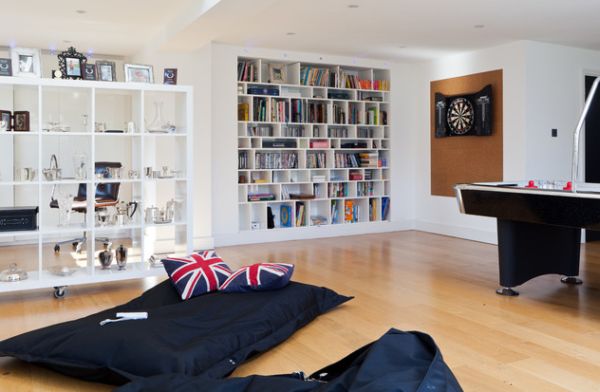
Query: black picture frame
90	72
6	117
5	67
170	76
21	121
71	64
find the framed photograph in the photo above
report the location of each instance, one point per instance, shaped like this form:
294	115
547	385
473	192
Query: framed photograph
277	73
106	71
137	73
90	72
21	121
71	64
170	76
5	116
5	67
26	62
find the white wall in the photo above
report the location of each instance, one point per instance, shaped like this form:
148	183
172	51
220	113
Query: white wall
440	214
555	96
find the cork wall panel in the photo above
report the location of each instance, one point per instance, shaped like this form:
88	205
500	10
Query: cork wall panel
458	159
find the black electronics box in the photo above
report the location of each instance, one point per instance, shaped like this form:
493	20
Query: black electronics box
279	143
18	218
354	145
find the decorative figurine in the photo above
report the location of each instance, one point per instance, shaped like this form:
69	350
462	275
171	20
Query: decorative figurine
121	257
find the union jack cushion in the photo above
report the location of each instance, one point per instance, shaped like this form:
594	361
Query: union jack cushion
197	274
259	277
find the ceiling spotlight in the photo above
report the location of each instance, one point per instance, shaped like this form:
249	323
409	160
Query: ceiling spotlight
479	26
81	12
290	33
353	6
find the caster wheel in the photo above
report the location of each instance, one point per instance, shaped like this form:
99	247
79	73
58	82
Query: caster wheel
56	248
60	292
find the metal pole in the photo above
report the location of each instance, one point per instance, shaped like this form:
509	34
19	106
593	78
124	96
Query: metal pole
577	134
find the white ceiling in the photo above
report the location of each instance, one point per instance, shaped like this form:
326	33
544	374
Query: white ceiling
387	29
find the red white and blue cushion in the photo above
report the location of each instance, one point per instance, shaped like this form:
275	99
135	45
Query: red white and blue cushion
259	277
197	274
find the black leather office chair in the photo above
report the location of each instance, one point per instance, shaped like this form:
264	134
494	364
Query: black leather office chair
107	195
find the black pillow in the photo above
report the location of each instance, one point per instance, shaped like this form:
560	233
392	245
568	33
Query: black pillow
208	335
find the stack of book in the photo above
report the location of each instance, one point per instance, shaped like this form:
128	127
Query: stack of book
334	211
365	189
318	220
317	112
381	85
316	143
276	160
279	111
261	196
260	109
260	130
300	211
385	207
344	159
351	211
292	131
338	132
339	117
297	110
263	90
318	178
369	159
373	210
311	76
355	175
243	112
246	71
364	132
243	160
373	116
338	189
356	115
316	160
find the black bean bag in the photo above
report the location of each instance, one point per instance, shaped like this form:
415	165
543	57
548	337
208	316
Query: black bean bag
208	335
397	362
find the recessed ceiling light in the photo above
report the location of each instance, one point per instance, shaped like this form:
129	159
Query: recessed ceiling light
479	26
290	33
81	12
66	41
353	5
401	46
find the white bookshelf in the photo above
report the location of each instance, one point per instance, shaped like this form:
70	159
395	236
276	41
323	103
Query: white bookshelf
79	105
335	181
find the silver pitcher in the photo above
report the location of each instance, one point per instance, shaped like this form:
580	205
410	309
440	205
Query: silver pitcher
25	174
125	212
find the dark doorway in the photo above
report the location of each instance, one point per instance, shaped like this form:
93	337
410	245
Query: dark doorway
592	146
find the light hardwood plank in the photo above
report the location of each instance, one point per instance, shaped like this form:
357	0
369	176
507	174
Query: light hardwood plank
547	339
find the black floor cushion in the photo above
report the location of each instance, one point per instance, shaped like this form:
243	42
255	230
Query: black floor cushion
209	335
397	362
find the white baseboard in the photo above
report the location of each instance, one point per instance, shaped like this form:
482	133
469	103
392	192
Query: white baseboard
302	233
468	233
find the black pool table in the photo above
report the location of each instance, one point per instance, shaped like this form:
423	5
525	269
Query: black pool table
539	225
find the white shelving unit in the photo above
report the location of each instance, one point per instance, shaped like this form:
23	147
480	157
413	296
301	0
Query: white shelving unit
332	144
78	106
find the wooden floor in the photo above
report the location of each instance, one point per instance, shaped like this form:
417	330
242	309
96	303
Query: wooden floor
547	339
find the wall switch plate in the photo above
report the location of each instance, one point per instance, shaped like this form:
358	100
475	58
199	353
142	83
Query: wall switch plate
554	132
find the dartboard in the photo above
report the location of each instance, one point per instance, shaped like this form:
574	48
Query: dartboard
460	116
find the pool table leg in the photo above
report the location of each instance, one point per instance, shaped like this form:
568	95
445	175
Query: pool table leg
571	280
527	250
